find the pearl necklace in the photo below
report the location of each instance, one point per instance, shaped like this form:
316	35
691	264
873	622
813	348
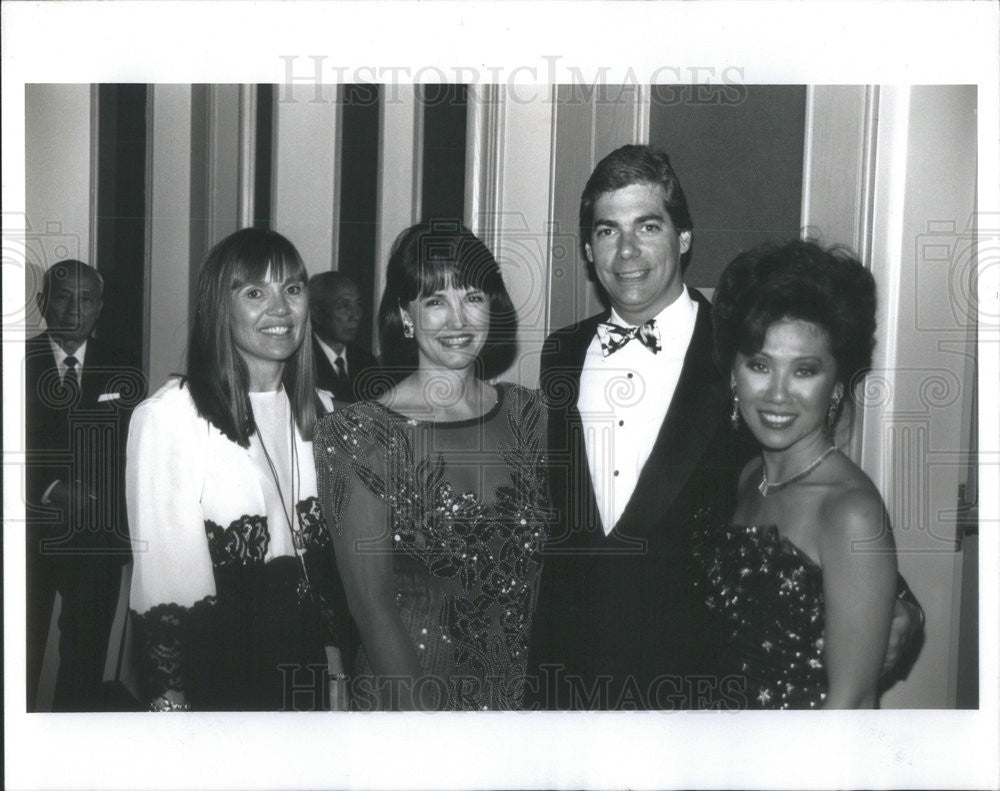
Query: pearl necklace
766	488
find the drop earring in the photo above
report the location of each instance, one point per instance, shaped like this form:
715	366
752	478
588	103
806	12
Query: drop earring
407	325
832	412
734	416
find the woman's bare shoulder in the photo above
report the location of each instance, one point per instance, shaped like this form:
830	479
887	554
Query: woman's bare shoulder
853	511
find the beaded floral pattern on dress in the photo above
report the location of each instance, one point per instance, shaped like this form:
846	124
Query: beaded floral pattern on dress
466	569
770	596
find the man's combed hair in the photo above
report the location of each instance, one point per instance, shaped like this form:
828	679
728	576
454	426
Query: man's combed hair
797	280
217	376
634	164
431	256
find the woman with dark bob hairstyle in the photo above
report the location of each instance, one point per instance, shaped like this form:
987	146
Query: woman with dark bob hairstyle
234	589
804	573
434	493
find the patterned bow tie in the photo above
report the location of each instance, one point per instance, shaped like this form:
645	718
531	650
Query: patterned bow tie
613	337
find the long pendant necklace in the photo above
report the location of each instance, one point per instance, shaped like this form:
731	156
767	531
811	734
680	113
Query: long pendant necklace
766	488
304	588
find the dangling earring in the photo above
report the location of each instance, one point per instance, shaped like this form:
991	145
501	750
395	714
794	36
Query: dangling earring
734	417
407	325
831	413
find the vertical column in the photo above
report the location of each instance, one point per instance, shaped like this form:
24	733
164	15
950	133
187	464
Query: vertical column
838	165
217	152
247	153
838	186
168	234
522	243
924	258
483	154
590	122
398	173
508	202
305	171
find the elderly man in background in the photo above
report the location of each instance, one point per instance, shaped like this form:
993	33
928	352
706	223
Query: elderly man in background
79	394
337	310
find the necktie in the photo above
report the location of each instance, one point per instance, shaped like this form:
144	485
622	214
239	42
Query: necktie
613	337
71	379
72	375
341	368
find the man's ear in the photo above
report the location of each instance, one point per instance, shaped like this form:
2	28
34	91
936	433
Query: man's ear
685	241
589	252
40	301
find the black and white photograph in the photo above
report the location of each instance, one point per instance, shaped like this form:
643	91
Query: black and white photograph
466	395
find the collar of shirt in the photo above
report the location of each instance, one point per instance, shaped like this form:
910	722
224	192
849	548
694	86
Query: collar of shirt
331	354
61	356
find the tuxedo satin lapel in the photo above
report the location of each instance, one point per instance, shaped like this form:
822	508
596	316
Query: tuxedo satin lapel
697	408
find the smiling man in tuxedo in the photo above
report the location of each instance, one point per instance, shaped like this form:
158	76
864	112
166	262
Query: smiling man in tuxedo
337	310
640	447
79	394
638	442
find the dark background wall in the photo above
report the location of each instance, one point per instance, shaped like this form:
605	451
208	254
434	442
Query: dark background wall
738	152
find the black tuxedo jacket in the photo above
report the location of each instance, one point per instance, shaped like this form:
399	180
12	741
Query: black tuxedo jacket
76	434
360	384
618	622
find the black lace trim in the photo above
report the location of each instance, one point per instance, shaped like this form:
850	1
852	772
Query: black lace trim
162	636
243	542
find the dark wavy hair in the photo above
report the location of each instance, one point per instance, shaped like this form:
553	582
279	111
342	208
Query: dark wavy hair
217	376
430	256
630	165
797	280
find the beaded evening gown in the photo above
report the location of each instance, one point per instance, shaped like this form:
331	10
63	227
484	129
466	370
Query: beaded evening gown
769	597
466	507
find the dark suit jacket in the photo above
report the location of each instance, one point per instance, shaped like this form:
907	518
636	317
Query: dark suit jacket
361	385
618	622
76	434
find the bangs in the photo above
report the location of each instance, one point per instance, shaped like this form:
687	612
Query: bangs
454	263
256	263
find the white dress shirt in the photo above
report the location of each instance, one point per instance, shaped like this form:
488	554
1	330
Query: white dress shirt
61	356
623	400
332	355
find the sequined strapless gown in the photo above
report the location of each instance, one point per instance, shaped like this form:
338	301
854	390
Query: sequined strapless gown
769	596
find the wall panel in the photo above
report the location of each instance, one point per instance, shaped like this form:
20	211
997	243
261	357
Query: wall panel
168	236
305	172
58	186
